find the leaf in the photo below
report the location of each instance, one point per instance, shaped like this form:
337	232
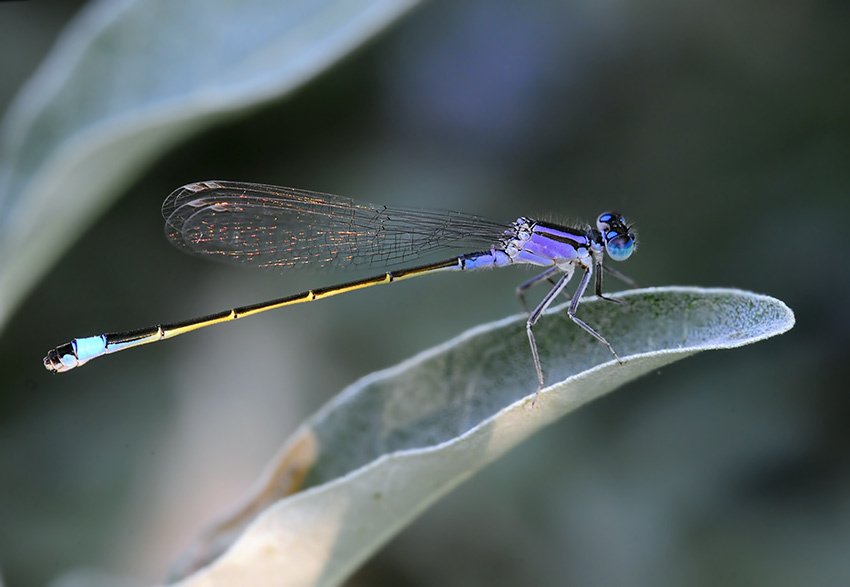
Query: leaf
130	78
393	443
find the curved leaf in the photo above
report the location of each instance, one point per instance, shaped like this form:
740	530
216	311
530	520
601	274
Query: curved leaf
396	441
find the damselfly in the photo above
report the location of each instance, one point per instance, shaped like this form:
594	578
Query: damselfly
277	227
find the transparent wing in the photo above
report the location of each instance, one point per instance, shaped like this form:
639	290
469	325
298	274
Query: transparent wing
277	227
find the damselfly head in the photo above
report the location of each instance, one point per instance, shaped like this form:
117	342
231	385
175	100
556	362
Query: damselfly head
620	241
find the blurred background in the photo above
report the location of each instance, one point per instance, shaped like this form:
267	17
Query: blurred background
722	128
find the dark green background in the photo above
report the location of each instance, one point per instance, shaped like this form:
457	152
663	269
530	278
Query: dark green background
722	128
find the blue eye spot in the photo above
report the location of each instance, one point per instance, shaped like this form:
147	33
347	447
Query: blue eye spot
620	247
603	222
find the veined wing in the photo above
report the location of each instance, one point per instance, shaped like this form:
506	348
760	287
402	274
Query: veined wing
278	227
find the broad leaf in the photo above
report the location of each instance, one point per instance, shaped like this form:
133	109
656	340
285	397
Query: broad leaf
393	443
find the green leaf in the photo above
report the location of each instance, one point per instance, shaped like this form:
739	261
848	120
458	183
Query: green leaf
393	443
130	78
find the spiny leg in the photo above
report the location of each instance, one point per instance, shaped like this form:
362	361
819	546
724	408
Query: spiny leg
547	276
621	276
571	312
535	316
529	283
599	293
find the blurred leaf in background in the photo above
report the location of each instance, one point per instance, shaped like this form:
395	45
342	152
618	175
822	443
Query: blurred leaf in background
131	78
721	127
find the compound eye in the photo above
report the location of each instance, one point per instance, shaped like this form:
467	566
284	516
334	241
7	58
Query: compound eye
619	246
603	223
